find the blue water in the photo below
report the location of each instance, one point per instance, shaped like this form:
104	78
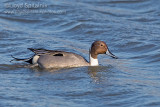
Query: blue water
131	29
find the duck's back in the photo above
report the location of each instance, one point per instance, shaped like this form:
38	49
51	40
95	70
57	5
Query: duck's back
62	59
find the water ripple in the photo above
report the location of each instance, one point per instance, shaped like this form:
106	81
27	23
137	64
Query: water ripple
20	20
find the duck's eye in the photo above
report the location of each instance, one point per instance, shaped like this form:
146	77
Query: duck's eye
101	44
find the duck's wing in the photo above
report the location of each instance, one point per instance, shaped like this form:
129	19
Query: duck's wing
47	52
39	52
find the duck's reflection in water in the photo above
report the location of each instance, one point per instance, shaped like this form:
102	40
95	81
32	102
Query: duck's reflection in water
99	73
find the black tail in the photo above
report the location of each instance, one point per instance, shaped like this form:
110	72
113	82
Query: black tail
28	60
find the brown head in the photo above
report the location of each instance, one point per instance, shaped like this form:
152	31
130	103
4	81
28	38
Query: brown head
100	47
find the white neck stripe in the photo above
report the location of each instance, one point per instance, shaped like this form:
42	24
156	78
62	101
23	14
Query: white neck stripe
93	62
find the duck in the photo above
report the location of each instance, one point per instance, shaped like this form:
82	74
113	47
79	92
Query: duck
60	59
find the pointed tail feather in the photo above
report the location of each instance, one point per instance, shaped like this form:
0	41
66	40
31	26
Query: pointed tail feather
29	60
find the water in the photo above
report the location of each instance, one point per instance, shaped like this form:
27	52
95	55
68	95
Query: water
129	27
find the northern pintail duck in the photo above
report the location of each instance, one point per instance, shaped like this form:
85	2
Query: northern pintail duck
59	59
